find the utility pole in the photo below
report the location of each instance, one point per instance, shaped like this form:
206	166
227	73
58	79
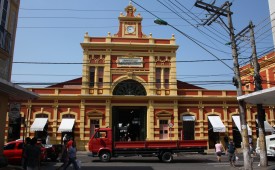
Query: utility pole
258	86
224	10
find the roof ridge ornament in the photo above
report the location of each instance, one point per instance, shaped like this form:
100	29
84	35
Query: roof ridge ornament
130	9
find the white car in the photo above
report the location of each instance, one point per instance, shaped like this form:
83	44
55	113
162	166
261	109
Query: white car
270	145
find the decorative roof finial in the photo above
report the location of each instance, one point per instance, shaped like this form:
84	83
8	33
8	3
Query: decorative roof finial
130	2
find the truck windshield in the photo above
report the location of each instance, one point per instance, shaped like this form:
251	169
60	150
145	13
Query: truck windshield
101	134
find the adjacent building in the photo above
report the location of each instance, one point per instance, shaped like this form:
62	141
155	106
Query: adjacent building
129	84
9	92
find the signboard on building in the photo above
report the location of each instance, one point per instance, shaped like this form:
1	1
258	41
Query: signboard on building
14	112
129	62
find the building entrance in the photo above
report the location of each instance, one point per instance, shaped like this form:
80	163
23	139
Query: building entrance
129	123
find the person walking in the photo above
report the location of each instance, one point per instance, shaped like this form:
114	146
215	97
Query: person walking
219	149
70	142
25	158
231	153
65	138
48	140
33	153
252	153
64	156
72	157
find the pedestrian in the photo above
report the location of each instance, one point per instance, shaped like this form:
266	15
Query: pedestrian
219	149
65	138
24	157
33	153
48	140
69	143
72	157
225	139
231	151
252	152
64	156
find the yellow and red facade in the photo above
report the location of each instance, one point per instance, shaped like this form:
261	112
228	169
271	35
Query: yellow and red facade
116	65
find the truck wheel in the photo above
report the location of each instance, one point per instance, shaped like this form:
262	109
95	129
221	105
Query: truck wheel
167	157
105	156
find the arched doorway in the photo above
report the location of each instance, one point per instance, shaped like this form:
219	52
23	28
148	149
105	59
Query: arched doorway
188	126
69	131
129	122
215	126
42	135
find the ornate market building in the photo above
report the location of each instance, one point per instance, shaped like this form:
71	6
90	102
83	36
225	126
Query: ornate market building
129	83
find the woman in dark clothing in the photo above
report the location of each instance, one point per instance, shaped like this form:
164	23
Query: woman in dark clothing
25	158
64	156
72	156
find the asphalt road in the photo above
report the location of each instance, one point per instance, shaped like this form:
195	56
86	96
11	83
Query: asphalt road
188	162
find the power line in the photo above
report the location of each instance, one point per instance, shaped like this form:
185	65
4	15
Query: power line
202	32
67	63
79	75
189	37
82	10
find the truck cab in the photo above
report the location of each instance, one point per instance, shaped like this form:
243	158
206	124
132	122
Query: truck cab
101	144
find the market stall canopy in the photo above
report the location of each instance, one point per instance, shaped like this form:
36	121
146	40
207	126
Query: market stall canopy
217	124
237	121
66	125
265	97
267	126
39	124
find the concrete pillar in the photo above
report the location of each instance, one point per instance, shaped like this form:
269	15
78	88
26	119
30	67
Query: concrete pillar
107	76
150	121
176	121
85	73
201	122
82	119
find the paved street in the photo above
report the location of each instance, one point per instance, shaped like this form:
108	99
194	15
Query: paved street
190	162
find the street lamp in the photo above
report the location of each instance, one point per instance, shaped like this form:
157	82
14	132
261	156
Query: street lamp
160	22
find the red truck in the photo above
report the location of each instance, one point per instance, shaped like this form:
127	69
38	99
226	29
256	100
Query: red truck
102	145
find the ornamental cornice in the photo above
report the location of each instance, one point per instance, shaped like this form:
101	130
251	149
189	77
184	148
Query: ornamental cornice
55	106
201	107
225	107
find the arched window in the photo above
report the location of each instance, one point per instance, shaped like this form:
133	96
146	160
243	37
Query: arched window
130	87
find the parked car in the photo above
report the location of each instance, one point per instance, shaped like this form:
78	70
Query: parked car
53	151
13	151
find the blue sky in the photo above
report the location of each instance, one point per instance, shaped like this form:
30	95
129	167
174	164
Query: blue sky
51	31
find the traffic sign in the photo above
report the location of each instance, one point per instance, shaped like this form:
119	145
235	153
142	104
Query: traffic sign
170	125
